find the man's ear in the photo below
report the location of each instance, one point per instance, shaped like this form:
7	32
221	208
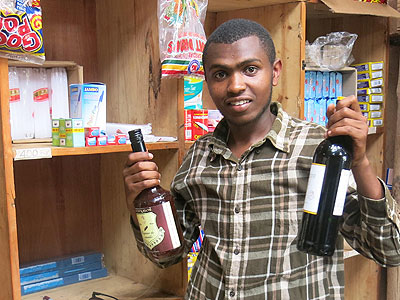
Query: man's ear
276	71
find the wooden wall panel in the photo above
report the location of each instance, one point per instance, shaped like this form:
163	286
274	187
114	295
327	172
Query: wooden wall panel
128	53
58	206
9	277
69	32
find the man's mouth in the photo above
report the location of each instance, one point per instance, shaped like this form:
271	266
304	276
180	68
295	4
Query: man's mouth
240	102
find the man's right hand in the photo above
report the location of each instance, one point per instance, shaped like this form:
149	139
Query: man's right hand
139	173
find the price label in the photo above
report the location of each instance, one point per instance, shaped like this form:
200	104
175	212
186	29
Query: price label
32	153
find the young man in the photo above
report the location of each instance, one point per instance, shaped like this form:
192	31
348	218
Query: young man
245	184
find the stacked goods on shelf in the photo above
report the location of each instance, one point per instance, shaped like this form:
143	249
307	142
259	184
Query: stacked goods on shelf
370	91
199	122
194	252
321	89
36	95
51	274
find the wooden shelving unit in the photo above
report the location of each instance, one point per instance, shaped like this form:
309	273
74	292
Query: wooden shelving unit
75	202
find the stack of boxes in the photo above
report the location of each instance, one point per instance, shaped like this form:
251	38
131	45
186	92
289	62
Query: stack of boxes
370	91
198	121
321	89
51	274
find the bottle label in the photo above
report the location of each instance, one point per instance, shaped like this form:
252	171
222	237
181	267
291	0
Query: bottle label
314	188
341	193
157	226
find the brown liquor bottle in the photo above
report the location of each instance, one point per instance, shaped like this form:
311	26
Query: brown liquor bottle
156	216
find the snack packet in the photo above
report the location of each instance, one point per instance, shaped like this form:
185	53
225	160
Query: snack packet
21	35
181	37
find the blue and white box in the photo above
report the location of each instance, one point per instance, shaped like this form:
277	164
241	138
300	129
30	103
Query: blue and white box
88	102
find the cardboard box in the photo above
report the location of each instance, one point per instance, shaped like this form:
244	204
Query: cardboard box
55	132
75	133
62	133
88	102
196	123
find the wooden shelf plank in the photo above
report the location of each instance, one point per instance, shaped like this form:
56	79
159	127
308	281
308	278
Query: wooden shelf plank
113	285
227	5
61	151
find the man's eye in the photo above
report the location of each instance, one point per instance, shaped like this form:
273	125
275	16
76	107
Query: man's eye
220	75
251	70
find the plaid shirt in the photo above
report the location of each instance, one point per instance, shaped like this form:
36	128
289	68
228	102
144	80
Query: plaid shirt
250	209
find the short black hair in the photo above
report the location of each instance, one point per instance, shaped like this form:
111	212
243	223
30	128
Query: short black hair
237	29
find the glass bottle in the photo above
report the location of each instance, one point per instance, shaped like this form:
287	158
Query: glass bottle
325	196
156	215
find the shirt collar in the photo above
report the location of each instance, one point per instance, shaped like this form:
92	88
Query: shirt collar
278	135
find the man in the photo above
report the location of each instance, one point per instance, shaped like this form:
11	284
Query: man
245	184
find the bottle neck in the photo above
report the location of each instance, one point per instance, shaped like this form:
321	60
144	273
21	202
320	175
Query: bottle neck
344	140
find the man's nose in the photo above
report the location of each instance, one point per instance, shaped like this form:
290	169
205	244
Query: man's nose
236	83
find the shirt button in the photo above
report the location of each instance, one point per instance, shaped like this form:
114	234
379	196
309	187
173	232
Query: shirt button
258	151
237	209
236	251
232	293
239	167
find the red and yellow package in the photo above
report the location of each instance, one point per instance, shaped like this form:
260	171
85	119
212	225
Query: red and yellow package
181	37
21	36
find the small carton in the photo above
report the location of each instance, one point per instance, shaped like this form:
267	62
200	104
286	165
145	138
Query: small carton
55	136
62	133
339	84
90	141
369	83
374	106
364	106
368	91
325	84
312	84
318	85
196	123
92	131
117	139
75	133
332	85
102	140
88	102
369	66
375	114
375	122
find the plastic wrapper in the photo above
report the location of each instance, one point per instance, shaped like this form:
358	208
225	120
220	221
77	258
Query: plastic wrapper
181	37
332	51
21	35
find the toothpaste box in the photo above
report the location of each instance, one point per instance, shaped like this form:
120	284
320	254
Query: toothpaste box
369	83
75	134
368	91
375	114
55	132
364	106
369	66
312	84
116	139
332	85
196	123
88	102
369	75
102	140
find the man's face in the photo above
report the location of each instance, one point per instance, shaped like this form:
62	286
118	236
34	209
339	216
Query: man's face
240	79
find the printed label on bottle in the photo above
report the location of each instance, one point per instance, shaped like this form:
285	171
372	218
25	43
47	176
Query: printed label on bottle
157	226
314	188
341	193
